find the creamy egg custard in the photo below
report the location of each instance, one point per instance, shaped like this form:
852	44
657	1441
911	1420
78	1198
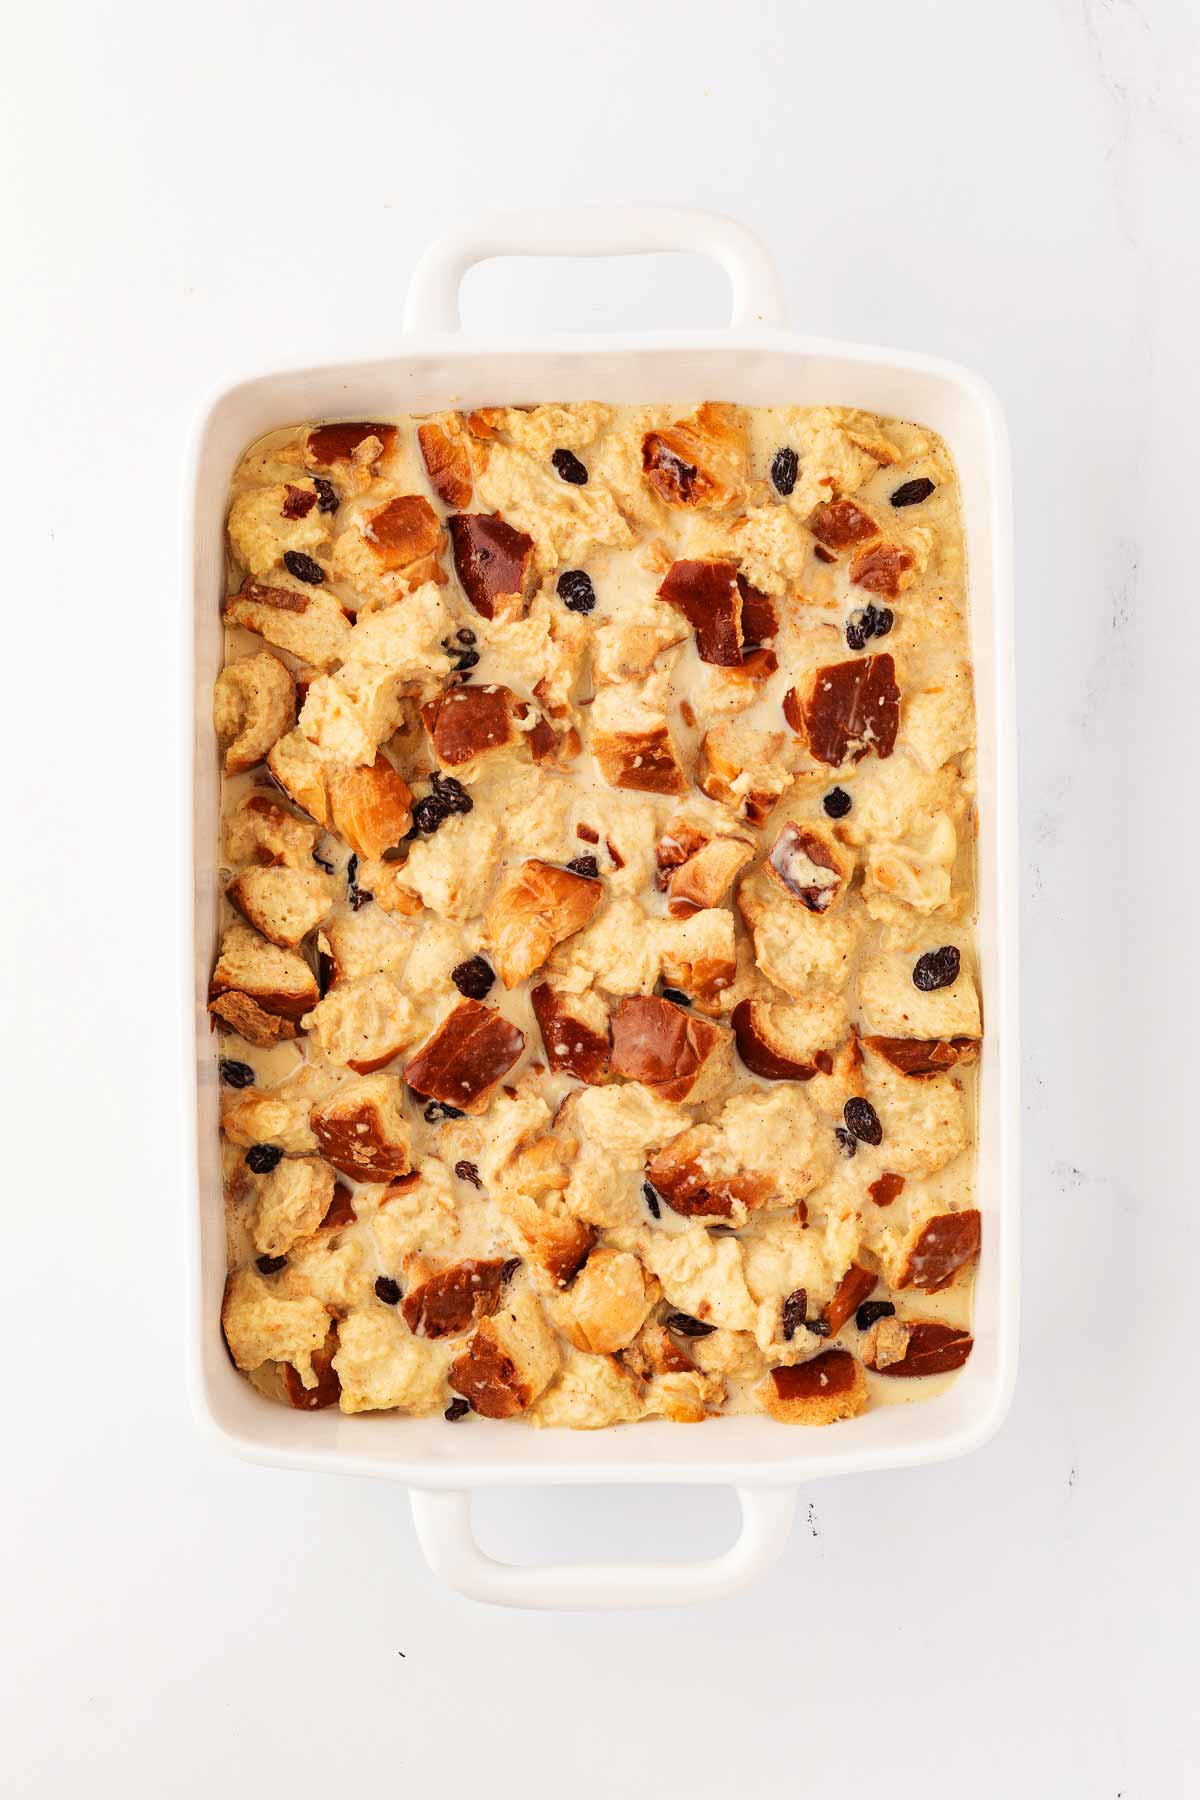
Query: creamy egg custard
597	991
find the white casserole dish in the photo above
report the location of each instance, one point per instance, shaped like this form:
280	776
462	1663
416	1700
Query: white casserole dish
758	362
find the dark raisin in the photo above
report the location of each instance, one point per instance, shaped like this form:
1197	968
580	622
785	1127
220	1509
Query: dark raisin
356	895
387	1290
236	1074
466	1171
457	1409
473	978
322	863
270	1265
795	1312
686	1326
509	1269
569	467
785	466
936	969
847	1142
911	493
880	620
465	635
862	1119
677	998
303	567
466	659
856	631
327	495
870	1310
818	1327
837	803
437	1109
428	815
575	590
585	865
452	794
325	972
262	1158
650	1196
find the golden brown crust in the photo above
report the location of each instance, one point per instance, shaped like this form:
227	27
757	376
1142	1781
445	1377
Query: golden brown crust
330	444
856	1285
846	709
251	1021
760	1029
932	1349
406	536
839	524
698	461
944	1244
361	1130
645	761
328	1390
665	1047
827	1388
447	460
919	1057
809	866
469	722
443	1302
471	1051
572	1045
707	595
536	906
493	560
370	807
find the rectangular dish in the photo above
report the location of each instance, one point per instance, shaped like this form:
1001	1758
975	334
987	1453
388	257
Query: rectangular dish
753	364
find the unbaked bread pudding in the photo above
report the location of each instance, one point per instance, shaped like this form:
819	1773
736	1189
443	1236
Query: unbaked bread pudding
596	989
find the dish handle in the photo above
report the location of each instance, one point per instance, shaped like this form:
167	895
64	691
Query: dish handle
432	303
444	1529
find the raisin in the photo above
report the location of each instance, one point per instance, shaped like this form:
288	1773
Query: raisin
466	1171
936	969
676	997
236	1074
585	865
650	1196
911	493
327	495
355	895
837	803
465	635
387	1290
457	1409
262	1158
466	659
303	567
862	1119
880	620
570	467
795	1313
322	863
297	504
847	1142
473	978
818	1327
509	1269
870	1310
270	1265
856	631
686	1326
575	590
785	466
428	815
452	794
437	1109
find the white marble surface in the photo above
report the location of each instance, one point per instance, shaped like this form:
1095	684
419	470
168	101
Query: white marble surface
211	189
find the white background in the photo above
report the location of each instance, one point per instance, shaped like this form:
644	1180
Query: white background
204	190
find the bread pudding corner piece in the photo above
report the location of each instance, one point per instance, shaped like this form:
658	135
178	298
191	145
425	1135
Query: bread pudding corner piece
446	453
254	704
276	983
383	1367
839	449
700	460
388	550
283	904
827	1388
351	454
632	742
267	522
746	768
535	907
264	1322
672	1051
468	1055
309	624
361	1025
509	1361
361	1129
895	1003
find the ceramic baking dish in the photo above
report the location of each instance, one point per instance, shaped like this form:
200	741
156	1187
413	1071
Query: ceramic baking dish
757	361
